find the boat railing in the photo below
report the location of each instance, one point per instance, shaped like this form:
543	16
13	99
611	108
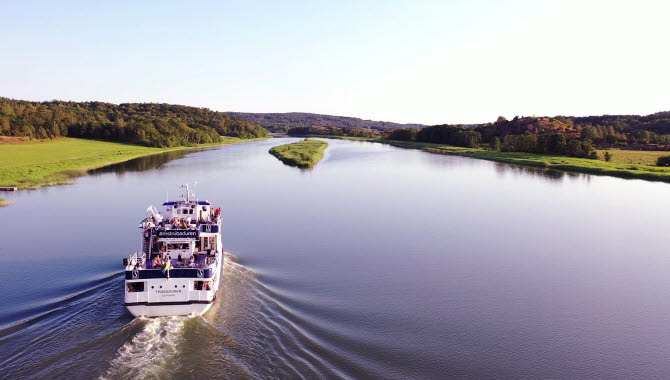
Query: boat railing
136	258
194	224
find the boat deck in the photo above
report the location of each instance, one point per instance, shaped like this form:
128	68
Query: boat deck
200	262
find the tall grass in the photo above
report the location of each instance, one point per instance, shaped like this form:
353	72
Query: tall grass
303	154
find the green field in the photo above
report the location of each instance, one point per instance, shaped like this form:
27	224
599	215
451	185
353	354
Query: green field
39	163
303	154
640	157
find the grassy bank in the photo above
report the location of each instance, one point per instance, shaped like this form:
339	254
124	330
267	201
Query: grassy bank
40	163
625	163
582	165
303	154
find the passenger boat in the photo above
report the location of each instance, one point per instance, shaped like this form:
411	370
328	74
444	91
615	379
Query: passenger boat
157	282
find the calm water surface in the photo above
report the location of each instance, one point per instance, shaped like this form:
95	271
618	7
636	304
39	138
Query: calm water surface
378	263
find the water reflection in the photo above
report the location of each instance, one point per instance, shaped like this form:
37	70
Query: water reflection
445	161
141	164
550	174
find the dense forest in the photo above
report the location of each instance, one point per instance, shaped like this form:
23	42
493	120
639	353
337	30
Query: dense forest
157	125
282	122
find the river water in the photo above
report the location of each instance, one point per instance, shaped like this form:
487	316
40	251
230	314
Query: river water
379	262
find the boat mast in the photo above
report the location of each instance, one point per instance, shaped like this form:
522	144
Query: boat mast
187	192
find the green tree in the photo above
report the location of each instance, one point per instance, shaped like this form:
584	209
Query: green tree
557	143
495	144
574	148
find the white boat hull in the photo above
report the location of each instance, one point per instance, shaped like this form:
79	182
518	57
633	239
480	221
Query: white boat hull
174	296
168	310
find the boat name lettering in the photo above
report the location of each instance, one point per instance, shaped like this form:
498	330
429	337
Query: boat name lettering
168	291
177	233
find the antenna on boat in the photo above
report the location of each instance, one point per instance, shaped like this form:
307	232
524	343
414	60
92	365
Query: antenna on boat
186	187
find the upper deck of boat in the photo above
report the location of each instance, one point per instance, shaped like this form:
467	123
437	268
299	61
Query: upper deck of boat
199	262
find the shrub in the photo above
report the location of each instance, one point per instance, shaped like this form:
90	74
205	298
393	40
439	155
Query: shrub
663	161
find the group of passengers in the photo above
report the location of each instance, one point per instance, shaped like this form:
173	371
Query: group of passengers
213	217
189	263
184	223
159	261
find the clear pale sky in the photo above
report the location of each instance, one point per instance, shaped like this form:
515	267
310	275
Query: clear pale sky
406	61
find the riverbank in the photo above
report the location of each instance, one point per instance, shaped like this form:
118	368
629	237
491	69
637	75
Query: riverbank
620	166
34	164
303	154
572	164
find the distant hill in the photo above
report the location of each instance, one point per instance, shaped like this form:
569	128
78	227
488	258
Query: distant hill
658	122
284	121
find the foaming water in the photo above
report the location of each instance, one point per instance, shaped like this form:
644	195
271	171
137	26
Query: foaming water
196	346
152	353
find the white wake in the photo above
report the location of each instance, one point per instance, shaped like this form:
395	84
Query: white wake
151	352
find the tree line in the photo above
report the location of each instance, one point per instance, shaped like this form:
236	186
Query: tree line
546	143
560	135
334	131
543	135
149	124
282	122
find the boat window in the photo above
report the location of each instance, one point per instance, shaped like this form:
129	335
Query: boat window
178	246
204	208
135	287
202	285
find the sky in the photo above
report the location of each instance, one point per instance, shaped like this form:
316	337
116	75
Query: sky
429	62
